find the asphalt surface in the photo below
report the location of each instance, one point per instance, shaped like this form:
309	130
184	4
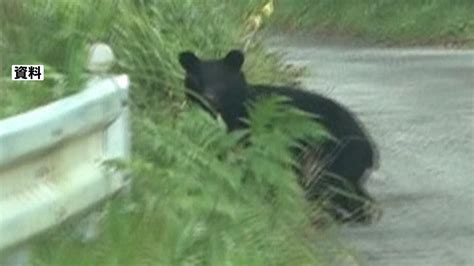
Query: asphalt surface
419	107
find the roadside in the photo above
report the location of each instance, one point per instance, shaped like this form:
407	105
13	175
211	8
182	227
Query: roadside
419	105
186	205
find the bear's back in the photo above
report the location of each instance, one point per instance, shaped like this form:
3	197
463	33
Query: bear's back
338	119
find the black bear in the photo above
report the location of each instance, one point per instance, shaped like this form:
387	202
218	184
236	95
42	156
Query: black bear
347	162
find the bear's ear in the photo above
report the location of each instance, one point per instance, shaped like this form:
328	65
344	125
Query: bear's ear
234	59
189	61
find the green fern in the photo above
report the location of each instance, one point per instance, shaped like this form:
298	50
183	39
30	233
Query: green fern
198	197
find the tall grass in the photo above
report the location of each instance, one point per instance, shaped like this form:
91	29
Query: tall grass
198	197
391	21
146	36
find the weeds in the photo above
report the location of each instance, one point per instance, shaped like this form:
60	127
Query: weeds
389	21
198	196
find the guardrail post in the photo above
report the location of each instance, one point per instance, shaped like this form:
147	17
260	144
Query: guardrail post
99	62
100	59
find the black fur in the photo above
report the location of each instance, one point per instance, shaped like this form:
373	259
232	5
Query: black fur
220	86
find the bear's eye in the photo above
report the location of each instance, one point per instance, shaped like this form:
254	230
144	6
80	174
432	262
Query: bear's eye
193	83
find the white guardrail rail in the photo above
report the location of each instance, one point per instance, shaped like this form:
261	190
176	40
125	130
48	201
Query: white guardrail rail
51	158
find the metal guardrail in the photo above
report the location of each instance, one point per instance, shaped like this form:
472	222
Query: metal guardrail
51	158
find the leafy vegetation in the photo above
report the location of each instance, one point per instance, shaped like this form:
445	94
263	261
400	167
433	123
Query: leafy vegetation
389	21
199	197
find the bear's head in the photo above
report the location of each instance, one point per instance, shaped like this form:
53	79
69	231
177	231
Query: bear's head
220	83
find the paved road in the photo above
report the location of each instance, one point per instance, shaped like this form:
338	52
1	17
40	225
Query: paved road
419	106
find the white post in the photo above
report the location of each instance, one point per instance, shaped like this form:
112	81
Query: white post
99	62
